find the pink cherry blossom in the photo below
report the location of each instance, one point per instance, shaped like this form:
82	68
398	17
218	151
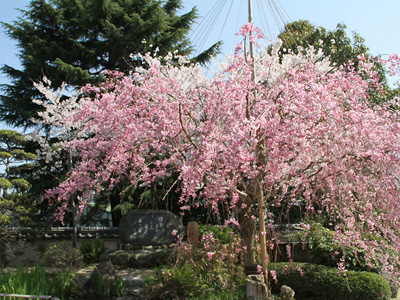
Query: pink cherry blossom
210	255
303	133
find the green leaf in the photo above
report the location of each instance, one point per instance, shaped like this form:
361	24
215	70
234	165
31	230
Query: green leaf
21	184
5	183
4	155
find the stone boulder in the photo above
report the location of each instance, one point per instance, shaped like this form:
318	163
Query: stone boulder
256	289
140	258
393	283
149	227
103	280
287	293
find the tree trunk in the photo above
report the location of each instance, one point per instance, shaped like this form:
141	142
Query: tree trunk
247	234
247	231
73	208
74	225
115	199
154	200
3	255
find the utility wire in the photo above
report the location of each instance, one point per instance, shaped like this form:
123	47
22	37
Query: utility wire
203	30
267	9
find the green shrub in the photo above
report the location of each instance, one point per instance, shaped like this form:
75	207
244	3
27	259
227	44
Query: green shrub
323	249
211	271
193	282
62	255
223	234
310	281
92	250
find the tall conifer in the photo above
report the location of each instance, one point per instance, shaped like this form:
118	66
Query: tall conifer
75	41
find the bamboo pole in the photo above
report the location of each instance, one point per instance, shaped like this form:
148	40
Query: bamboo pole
263	233
261	205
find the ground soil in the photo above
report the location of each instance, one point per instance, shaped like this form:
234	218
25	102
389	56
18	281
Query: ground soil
132	277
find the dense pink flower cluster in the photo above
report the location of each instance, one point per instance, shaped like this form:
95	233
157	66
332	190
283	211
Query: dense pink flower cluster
304	132
251	30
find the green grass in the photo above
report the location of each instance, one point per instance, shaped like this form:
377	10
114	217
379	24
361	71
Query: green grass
35	281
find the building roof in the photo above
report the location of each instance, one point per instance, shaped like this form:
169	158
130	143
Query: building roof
62	232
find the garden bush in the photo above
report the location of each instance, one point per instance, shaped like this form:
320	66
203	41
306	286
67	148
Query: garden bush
324	249
310	281
63	255
92	250
194	282
222	234
210	271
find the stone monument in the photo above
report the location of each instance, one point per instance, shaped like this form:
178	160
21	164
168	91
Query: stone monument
149	228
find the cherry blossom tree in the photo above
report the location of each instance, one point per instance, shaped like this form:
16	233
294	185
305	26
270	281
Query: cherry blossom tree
55	129
300	132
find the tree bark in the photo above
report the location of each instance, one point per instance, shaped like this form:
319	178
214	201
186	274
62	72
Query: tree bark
74	224
247	234
263	232
115	199
73	208
3	255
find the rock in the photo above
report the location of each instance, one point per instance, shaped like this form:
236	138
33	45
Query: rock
140	258
393	283
154	258
256	289
120	257
102	280
107	269
149	228
104	256
287	293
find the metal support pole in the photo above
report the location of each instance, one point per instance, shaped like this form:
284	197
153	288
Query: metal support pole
28	296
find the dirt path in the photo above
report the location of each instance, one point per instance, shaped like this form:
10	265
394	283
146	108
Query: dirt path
134	279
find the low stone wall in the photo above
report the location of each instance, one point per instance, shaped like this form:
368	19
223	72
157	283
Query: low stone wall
28	253
28	244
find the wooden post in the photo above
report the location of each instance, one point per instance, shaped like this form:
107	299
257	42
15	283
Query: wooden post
193	233
263	232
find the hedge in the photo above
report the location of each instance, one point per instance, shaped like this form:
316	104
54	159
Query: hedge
316	282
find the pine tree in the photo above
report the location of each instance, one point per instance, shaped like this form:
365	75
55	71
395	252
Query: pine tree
75	41
12	152
15	205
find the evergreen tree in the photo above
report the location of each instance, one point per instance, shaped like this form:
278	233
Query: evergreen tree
336	44
339	47
75	41
12	152
15	206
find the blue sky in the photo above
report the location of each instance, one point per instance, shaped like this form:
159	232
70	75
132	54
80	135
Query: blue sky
379	23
